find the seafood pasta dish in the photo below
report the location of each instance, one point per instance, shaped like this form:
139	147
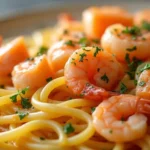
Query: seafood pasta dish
80	85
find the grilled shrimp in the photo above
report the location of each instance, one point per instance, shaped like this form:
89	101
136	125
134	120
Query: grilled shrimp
91	72
97	19
121	41
32	73
10	55
121	118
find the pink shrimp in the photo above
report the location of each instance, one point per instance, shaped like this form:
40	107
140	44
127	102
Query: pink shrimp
121	118
91	71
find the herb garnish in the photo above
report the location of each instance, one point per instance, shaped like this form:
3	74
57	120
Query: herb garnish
83	41
24	101
68	128
42	138
69	43
42	50
97	49
123	88
105	78
146	25
132	30
131	49
82	57
93	109
146	67
22	115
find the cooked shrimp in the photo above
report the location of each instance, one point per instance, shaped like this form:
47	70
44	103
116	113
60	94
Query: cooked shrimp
120	40
32	73
60	51
10	55
120	118
97	19
143	85
141	16
91	71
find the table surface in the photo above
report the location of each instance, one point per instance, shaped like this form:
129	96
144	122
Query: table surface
23	16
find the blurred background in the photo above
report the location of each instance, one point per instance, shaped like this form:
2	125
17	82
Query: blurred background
24	16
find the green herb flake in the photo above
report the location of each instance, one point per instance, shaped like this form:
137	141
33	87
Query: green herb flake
105	78
42	138
42	50
25	102
82	57
132	30
146	67
93	109
141	83
131	49
14	98
49	79
68	128
123	88
69	43
97	50
23	91
146	25
83	41
22	115
135	82
127	58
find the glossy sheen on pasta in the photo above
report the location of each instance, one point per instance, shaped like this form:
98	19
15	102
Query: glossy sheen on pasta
87	88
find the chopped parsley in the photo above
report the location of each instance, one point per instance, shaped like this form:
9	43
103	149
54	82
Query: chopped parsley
68	128
141	83
69	43
135	82
146	25
146	67
82	57
93	109
132	30
97	50
131	49
42	50
49	79
105	78
22	115
24	101
123	88
132	65
83	41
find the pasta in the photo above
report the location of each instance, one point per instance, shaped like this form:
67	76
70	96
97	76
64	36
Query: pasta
83	92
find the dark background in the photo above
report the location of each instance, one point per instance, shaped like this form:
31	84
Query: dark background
23	16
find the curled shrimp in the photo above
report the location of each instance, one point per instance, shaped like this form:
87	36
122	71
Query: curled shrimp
120	118
121	41
141	16
32	73
97	19
10	55
60	51
91	71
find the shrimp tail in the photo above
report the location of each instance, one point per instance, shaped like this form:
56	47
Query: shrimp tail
143	106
